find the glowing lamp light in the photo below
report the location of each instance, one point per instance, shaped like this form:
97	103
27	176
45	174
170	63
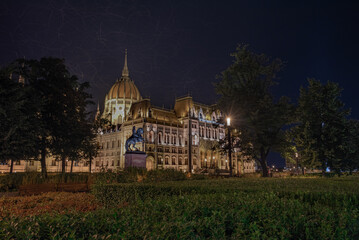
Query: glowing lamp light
205	159
228	121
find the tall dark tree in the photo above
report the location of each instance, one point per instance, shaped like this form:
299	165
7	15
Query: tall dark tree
18	118
62	114
89	149
321	135
75	128
246	97
351	150
44	114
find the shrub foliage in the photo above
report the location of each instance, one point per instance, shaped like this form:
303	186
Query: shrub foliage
294	208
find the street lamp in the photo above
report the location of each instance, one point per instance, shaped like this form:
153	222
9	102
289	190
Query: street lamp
205	161
229	145
228	121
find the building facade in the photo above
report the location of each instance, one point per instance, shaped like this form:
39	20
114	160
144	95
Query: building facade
183	138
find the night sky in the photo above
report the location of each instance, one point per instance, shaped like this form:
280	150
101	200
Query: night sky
176	47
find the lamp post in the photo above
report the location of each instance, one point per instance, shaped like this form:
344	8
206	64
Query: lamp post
229	146
205	161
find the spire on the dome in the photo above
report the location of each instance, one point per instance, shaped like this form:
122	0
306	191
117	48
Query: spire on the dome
125	72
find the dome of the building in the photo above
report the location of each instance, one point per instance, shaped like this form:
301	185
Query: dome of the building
124	89
119	99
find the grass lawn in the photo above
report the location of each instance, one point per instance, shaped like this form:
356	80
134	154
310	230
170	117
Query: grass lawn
281	208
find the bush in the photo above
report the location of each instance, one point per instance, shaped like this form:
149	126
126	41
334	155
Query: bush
236	215
112	195
131	175
11	182
324	190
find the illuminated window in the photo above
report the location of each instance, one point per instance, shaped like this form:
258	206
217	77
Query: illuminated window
160	160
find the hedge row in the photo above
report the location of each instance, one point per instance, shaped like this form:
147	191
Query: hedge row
11	182
112	195
259	215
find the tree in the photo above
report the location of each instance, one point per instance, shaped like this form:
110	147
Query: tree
62	112
90	150
245	96
209	147
351	146
44	114
75	129
320	135
18	119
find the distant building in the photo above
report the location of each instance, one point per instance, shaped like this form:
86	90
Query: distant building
166	133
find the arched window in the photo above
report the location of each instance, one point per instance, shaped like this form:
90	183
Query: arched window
180	140
173	160
160	160
160	138
166	159
151	136
180	161
186	160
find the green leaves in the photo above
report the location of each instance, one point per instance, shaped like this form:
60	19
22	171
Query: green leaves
320	135
18	115
246	97
217	209
45	113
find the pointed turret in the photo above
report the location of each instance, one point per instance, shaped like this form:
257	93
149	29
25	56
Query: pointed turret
125	72
97	112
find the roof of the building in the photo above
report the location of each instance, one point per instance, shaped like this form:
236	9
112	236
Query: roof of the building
124	88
